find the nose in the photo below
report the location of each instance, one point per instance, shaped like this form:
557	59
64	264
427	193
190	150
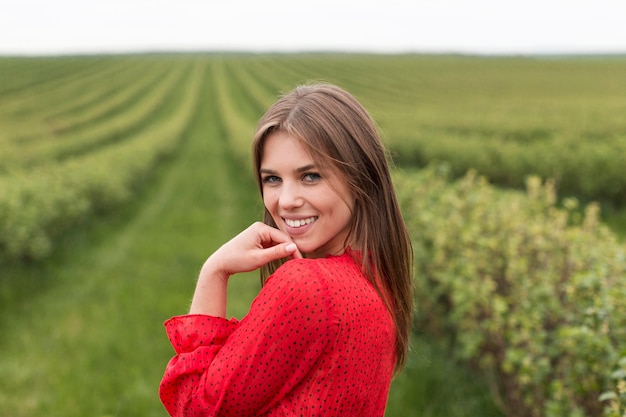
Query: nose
290	196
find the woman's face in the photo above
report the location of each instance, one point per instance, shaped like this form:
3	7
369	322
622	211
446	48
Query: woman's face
307	201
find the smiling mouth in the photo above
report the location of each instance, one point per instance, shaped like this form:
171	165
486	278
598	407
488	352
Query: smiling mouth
300	223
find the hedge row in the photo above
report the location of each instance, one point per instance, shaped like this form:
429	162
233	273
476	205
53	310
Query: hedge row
100	124
37	205
591	168
531	294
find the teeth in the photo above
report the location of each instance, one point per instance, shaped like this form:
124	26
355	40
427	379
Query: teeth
298	223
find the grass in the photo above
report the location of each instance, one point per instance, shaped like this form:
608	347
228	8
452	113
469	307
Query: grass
432	385
82	335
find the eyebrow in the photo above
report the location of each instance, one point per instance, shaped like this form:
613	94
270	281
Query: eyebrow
298	170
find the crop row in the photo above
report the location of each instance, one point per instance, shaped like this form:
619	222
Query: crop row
31	114
28	74
54	95
36	205
107	119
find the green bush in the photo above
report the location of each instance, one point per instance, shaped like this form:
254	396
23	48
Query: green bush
530	293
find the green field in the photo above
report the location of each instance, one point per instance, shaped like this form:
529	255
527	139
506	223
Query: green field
119	175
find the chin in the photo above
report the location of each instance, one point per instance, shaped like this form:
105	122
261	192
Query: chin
305	249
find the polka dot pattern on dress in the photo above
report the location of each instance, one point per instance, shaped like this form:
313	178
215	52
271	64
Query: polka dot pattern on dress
317	341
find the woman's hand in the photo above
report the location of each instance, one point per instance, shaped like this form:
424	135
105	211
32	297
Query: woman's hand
256	246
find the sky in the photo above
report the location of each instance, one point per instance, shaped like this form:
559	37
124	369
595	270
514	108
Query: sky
61	27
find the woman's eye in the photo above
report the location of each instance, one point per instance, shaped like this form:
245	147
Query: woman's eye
312	177
270	179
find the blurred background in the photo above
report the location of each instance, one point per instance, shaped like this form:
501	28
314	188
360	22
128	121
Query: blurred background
125	129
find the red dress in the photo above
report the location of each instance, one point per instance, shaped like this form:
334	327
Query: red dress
317	341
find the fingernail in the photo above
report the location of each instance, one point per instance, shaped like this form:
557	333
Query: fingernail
291	247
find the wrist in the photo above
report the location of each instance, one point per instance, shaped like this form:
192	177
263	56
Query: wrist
211	289
212	271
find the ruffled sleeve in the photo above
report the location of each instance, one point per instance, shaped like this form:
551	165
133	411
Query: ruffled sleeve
187	333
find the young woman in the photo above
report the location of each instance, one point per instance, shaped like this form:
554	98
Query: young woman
331	323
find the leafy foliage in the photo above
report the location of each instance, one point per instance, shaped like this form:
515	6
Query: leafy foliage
532	294
615	397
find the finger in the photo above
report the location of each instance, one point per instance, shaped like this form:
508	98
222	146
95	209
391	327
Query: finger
270	236
280	238
293	251
275	243
280	251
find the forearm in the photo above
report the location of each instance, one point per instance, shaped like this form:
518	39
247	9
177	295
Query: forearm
211	292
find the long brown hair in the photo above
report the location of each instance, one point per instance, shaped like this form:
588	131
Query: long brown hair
337	131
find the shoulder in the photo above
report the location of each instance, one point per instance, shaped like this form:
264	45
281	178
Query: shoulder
296	274
317	272
305	280
296	294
